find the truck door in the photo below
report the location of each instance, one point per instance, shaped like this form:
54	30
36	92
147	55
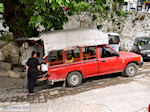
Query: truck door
110	62
90	61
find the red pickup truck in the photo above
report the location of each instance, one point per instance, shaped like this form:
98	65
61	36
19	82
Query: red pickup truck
74	55
83	62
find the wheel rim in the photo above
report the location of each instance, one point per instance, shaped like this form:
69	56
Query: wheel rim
74	80
131	70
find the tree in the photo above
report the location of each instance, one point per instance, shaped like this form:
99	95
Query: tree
17	21
25	17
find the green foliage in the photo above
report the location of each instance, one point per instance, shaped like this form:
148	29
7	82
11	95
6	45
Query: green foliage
52	14
1	8
7	37
99	26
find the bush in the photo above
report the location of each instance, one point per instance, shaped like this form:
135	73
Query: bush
7	37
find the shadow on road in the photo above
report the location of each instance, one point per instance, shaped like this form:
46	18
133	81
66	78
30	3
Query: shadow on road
87	84
87	80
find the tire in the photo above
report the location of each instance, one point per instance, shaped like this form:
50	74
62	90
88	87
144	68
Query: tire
74	79
130	70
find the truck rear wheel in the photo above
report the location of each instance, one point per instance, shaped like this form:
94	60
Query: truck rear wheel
130	70
74	79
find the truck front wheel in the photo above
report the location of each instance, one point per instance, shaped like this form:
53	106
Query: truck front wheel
74	79
130	70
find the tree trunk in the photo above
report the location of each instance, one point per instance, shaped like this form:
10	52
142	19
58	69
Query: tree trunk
16	20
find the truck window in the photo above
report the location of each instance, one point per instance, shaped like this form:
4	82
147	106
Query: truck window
72	55
107	52
88	53
55	58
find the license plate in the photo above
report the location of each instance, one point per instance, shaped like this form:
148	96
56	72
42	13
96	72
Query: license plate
148	55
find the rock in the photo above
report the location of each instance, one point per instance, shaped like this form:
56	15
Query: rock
3	73
26	54
2	43
10	53
13	74
5	66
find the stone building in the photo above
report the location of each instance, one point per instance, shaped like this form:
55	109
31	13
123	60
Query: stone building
135	5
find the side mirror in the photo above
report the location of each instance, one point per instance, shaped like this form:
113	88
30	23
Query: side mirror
118	55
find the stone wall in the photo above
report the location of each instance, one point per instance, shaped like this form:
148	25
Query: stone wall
130	27
26	53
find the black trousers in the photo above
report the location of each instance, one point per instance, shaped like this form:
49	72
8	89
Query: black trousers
31	83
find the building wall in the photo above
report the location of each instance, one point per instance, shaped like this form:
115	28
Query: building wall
130	4
130	27
1	25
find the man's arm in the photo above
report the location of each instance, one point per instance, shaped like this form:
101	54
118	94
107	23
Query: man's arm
27	67
38	67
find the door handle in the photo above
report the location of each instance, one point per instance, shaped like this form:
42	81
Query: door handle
103	60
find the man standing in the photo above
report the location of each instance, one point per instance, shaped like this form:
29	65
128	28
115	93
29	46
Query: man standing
32	68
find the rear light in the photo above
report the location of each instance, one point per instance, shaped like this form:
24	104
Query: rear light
119	44
140	51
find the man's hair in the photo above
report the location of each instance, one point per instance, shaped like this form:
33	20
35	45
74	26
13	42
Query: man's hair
38	54
33	53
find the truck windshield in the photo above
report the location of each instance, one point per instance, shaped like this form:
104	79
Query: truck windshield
144	41
113	39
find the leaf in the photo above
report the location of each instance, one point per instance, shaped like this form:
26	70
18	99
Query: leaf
26	12
94	17
44	8
68	1
1	5
53	7
99	26
59	2
39	18
1	8
50	1
100	9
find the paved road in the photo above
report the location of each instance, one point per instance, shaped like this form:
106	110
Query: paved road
44	93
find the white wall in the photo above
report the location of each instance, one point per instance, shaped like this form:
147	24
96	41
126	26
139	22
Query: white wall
131	27
1	25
